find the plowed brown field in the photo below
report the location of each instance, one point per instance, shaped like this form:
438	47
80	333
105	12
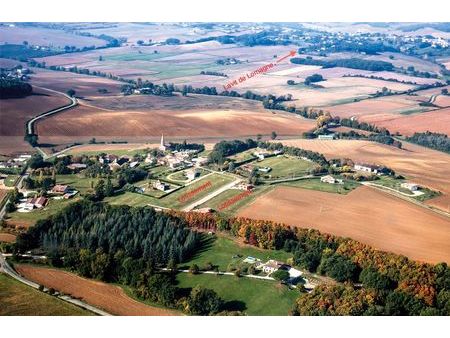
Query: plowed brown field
108	297
365	214
8	238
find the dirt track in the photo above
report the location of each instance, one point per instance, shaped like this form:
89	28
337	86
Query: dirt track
109	297
367	215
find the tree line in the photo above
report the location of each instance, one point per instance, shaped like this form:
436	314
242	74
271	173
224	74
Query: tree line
354	63
431	140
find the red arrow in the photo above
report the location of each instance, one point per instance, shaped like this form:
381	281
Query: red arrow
291	53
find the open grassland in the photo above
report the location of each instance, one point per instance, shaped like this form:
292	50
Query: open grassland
421	165
18	299
254	297
108	297
365	214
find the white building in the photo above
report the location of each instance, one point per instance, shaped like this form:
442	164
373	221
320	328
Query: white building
160	185
330	179
410	186
192	174
370	168
326	137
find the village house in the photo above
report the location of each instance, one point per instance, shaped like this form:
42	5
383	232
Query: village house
192	174
60	189
107	159
330	179
32	203
150	159
163	186
271	266
370	168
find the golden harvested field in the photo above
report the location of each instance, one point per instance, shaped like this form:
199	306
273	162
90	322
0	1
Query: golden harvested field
108	297
424	166
436	121
365	214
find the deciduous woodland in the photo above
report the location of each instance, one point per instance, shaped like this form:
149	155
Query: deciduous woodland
130	245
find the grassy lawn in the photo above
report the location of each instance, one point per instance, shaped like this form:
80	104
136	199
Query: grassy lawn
32	217
252	296
222	251
78	182
18	299
316	184
285	166
9	181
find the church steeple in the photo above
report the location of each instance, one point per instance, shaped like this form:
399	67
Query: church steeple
162	146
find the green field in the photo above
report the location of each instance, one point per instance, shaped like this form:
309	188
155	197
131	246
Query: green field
137	56
222	251
285	167
32	217
316	184
252	296
17	299
118	152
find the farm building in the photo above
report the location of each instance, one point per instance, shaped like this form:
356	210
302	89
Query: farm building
410	186
34	202
330	179
370	168
265	169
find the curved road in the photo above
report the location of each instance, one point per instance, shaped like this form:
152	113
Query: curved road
73	103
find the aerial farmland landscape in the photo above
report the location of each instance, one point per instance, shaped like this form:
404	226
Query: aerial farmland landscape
224	169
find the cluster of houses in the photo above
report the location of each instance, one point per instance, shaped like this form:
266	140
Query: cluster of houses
59	191
115	162
15	163
16	73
